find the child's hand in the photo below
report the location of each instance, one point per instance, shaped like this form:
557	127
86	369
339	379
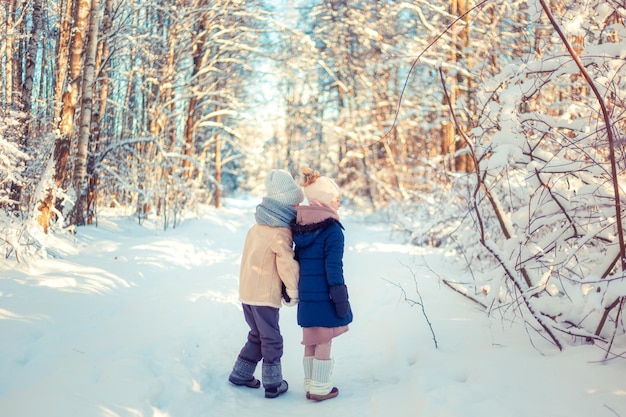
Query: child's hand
289	297
292	302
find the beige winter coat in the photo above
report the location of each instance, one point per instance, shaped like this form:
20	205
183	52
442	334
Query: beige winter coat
267	262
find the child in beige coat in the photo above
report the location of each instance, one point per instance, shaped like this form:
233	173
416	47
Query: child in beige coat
268	278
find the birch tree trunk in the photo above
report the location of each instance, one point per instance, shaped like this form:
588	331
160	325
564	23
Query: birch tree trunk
9	56
61	156
31	57
62	52
27	92
80	161
99	111
70	96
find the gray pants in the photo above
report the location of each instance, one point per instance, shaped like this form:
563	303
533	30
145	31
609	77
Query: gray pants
264	338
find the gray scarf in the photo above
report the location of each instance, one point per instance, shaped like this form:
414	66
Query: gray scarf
272	213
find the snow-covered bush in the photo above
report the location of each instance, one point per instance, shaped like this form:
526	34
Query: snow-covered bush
540	228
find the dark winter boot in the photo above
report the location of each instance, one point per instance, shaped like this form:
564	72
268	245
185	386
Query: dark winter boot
243	374
273	381
321	387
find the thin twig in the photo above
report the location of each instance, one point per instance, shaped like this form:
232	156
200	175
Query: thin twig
453	288
412	302
611	410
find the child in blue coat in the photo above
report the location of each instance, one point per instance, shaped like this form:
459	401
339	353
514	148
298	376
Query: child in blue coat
323	310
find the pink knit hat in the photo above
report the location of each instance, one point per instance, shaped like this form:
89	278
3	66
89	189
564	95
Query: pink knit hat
319	188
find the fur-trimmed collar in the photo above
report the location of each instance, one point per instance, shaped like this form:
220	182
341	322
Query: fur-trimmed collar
304	228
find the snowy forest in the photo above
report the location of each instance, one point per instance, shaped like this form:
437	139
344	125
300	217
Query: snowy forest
492	128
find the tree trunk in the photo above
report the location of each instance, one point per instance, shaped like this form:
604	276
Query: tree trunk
188	144
9	55
198	51
463	163
62	52
80	161
218	162
70	97
99	111
31	56
26	87
451	141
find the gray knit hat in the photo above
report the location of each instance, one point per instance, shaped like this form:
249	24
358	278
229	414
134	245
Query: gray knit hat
281	187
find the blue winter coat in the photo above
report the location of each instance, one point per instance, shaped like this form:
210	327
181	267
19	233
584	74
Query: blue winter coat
319	249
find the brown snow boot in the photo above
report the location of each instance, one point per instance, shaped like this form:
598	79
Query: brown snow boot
321	386
317	397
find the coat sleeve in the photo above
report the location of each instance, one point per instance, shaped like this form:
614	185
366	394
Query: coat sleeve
286	264
333	251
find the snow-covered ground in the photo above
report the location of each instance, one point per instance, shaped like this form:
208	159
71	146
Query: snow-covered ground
133	321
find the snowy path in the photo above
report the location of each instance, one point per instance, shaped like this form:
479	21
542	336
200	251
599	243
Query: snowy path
134	322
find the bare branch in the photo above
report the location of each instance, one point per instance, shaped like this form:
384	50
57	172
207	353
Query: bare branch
420	302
